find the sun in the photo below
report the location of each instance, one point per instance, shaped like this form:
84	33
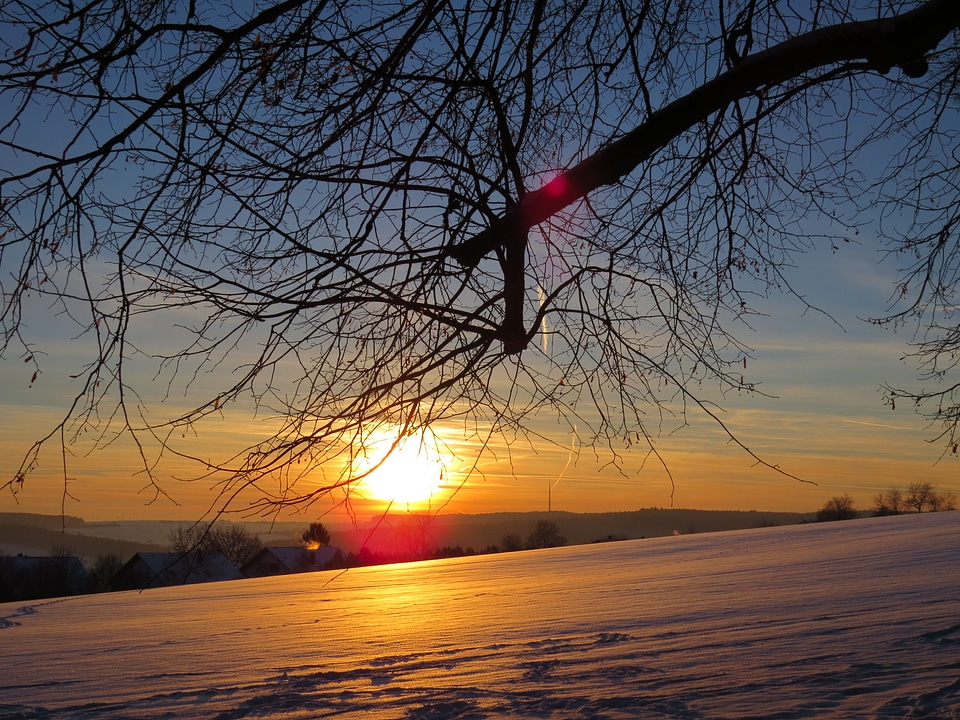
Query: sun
411	472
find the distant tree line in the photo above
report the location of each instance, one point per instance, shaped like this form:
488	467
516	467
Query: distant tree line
545	534
837	508
917	498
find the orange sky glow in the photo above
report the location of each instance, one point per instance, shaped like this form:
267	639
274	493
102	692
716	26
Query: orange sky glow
821	419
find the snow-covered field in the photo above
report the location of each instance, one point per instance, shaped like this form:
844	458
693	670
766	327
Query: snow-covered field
853	619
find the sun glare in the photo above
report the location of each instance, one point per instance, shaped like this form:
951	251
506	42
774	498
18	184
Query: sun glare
410	473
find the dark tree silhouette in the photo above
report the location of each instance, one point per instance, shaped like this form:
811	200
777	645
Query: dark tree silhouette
413	535
234	541
942	502
545	535
919	496
511	542
188	539
837	508
316	535
890	502
923	496
104	568
357	216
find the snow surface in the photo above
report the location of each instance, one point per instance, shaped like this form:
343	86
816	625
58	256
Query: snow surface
852	619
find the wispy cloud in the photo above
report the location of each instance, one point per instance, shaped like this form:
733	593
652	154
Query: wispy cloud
875	424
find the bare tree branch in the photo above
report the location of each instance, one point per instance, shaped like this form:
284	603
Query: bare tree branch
238	212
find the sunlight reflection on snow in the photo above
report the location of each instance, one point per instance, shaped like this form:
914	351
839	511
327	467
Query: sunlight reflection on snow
856	619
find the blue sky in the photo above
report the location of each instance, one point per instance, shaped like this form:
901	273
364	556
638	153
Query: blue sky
825	423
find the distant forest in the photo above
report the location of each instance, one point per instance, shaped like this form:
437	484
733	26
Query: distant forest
42	533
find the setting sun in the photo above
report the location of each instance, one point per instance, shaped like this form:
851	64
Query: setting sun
410	472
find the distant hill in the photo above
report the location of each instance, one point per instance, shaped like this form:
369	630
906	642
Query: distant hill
32	534
50	522
38	534
480	531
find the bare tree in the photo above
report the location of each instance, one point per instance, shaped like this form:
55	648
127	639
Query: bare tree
104	568
234	541
837	508
364	216
918	495
924	496
188	540
545	535
945	502
413	535
511	542
890	502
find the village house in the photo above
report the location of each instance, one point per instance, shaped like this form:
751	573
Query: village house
27	577
162	569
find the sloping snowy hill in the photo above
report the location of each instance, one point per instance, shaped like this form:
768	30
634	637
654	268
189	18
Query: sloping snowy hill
854	619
